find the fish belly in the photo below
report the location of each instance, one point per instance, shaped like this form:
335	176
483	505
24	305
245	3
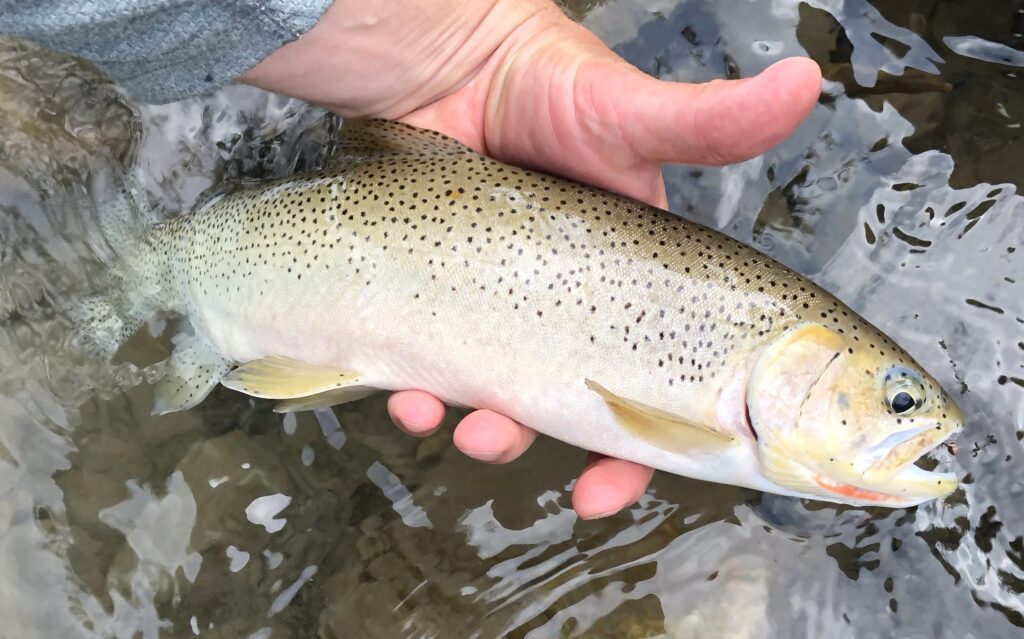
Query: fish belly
399	328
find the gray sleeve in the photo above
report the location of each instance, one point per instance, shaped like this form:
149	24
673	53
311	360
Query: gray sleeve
163	50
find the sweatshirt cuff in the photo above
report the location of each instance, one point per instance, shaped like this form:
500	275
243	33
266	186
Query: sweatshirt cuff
161	51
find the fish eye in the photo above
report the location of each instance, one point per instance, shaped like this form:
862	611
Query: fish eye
904	391
902	402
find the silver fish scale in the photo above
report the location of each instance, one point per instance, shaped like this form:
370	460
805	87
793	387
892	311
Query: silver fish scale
489	247
411	262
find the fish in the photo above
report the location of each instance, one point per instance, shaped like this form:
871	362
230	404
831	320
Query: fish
409	261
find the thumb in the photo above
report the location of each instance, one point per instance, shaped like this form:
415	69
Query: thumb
718	122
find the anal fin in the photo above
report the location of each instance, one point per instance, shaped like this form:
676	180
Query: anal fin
192	371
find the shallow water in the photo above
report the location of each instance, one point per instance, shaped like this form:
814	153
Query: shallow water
900	194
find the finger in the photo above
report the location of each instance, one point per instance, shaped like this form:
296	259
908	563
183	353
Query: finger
490	437
718	122
654	193
607	485
415	412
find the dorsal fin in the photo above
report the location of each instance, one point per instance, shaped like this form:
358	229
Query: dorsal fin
361	140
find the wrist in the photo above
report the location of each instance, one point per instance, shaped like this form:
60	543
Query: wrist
366	58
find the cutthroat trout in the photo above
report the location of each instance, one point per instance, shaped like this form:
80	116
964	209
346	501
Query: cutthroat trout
412	262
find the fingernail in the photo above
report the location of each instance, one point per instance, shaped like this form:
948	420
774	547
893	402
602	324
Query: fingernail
412	428
600	515
400	423
483	455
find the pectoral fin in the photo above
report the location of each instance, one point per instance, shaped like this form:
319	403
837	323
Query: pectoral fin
278	377
660	429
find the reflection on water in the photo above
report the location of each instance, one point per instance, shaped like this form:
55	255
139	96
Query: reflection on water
900	194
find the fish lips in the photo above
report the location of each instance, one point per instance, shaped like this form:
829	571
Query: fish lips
898	472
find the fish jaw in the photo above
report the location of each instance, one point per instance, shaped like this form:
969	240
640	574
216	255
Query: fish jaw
898	486
898	473
909	487
894	461
888	475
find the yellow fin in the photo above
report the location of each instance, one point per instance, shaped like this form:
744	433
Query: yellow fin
325	399
660	429
278	377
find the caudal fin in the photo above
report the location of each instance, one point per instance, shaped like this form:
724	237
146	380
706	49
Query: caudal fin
122	212
104	321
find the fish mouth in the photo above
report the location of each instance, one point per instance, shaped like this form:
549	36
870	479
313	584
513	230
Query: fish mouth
916	483
911	473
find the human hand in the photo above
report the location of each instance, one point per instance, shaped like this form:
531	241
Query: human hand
519	81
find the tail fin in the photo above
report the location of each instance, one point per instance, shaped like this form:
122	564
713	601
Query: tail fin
121	216
104	321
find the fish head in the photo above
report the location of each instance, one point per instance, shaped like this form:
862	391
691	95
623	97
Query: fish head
845	420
